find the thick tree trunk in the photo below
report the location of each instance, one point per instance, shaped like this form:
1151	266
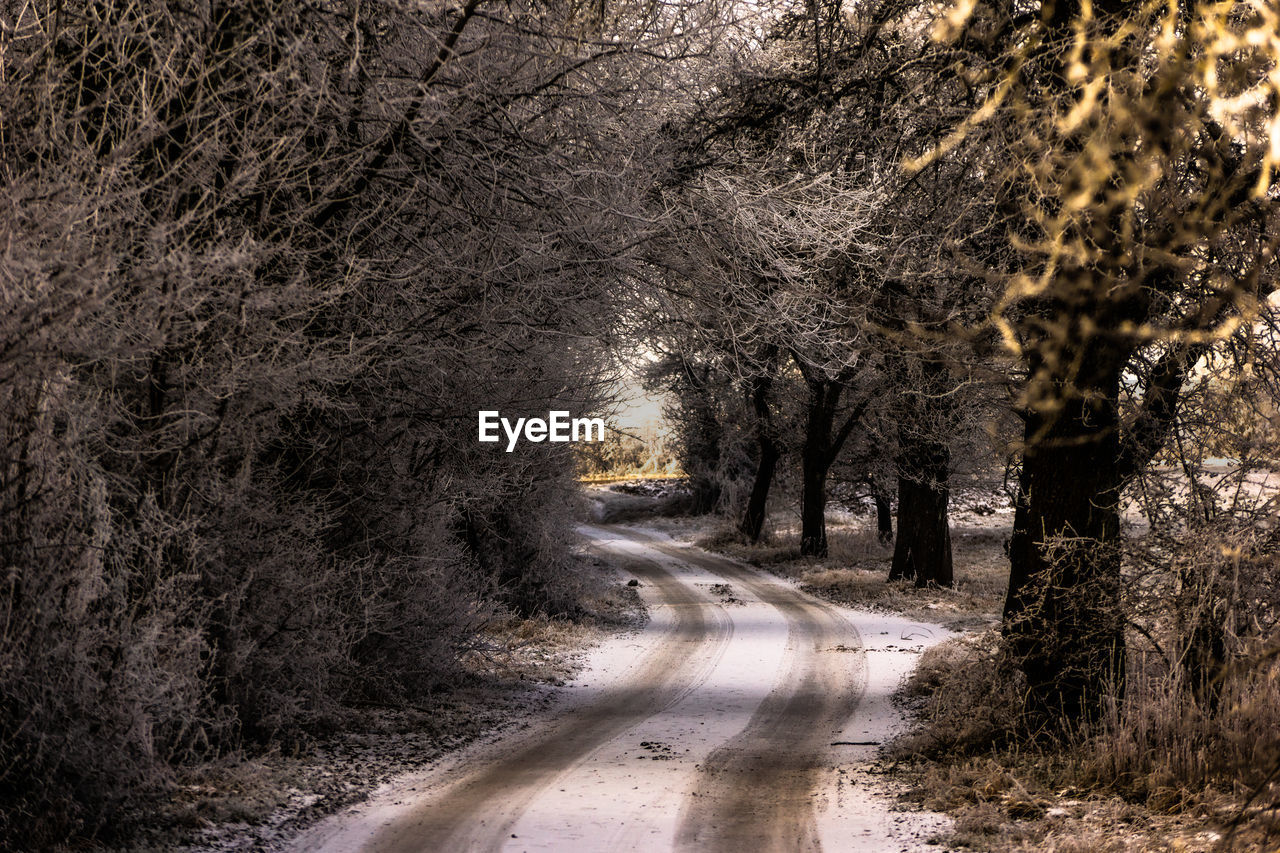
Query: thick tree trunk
1062	618
923	549
702	444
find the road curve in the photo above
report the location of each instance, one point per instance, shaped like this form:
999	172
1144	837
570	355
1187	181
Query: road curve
757	792
719	727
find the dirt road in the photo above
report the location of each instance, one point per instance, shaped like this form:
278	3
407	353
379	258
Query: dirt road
741	718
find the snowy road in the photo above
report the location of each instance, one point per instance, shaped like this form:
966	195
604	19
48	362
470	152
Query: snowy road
741	718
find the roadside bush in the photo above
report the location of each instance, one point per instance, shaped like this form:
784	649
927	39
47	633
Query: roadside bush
253	290
101	647
710	432
1162	747
1200	717
970	704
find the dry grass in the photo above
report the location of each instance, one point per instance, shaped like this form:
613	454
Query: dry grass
1158	773
969	704
855	570
547	649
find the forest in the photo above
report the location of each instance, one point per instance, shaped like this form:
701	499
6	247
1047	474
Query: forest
262	263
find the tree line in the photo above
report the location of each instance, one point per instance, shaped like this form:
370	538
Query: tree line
263	263
1042	237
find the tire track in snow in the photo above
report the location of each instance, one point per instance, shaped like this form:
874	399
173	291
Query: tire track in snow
735	707
478	811
757	792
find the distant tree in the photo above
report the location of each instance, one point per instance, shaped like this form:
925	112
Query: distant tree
764	258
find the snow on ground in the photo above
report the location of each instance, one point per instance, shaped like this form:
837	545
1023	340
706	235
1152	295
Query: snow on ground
744	712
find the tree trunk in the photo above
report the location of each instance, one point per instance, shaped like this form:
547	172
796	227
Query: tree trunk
702	445
813	506
923	549
757	504
822	443
1203	654
816	458
884	515
1062	618
770	452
